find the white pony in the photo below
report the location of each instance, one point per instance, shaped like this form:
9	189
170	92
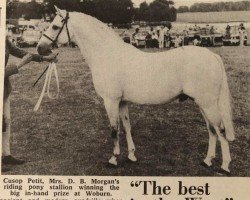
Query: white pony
122	73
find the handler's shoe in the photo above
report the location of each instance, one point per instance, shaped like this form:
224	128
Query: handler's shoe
10	160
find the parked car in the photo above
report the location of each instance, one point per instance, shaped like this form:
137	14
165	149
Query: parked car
140	39
206	37
126	36
232	37
126	39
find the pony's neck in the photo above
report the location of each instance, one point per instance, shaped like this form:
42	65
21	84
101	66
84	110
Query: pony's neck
95	40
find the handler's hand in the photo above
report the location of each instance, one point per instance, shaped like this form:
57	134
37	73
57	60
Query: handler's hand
25	60
51	58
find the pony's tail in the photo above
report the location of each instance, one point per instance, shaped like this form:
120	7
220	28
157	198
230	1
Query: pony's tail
225	106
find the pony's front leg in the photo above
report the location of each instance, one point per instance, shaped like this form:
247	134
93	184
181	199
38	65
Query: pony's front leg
112	108
124	115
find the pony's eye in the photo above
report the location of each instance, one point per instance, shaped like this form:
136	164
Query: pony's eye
54	27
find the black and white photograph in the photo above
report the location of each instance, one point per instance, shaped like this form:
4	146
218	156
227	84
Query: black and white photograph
126	88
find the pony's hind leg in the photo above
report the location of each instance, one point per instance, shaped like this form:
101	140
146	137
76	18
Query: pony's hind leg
226	157
124	115
211	144
112	108
214	118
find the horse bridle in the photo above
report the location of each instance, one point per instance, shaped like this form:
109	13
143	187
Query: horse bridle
65	23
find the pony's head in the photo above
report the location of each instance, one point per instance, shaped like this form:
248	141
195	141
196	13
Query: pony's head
57	33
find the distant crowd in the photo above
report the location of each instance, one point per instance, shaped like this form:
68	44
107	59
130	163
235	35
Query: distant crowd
147	37
164	37
159	37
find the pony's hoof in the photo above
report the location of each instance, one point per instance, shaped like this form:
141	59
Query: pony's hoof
132	158
203	164
113	161
223	172
111	166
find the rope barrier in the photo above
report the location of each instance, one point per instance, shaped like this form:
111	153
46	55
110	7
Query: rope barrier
46	87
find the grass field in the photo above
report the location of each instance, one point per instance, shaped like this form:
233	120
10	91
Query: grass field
214	17
71	135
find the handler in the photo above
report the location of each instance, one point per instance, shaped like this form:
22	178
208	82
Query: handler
10	48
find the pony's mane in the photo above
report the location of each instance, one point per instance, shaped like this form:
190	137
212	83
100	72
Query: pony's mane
100	28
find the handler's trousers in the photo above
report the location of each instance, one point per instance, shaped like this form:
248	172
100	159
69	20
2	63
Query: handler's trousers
241	41
6	127
161	43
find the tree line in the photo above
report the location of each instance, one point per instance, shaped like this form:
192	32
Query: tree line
158	10
108	11
30	10
216	7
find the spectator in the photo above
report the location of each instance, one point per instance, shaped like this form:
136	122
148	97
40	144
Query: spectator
242	37
242	27
151	31
185	38
161	37
197	40
126	36
134	42
178	41
212	30
242	30
149	38
228	31
168	39
196	28
155	43
165	30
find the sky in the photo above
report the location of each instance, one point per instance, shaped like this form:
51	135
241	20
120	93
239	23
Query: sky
181	2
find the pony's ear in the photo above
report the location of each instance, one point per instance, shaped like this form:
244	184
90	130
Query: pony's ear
57	9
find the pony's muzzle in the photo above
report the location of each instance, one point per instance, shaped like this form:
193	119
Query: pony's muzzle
44	49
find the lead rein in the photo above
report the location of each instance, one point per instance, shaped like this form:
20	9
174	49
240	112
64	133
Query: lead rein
46	87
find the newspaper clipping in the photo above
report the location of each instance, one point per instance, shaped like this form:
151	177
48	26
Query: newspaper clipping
124	99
